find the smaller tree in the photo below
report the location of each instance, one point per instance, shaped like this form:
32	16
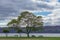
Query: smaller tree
6	31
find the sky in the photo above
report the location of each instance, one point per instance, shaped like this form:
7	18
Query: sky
49	9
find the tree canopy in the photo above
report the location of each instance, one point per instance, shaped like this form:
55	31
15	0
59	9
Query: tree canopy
30	19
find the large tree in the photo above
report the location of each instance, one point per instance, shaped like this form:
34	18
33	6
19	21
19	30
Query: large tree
30	20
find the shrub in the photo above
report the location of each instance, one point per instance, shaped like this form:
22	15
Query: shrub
16	36
40	36
33	36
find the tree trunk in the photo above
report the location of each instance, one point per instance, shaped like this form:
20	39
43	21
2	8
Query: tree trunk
20	34
27	31
6	34
27	34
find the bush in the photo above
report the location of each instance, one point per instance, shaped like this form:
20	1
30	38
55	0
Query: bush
16	36
33	36
40	36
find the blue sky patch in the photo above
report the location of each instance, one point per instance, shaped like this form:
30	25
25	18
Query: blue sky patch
58	0
42	13
47	0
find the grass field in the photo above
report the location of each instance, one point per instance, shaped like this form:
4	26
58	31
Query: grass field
45	38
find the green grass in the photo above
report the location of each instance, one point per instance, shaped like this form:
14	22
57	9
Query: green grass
44	38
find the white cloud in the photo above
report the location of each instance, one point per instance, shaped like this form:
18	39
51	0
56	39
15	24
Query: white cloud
53	18
51	2
3	23
10	9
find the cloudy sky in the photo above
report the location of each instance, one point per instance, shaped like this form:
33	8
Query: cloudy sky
49	9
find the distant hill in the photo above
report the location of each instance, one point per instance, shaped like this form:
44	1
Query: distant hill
46	29
51	29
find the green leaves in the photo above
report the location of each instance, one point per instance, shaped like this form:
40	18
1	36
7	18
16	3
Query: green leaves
19	18
12	21
39	17
24	13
